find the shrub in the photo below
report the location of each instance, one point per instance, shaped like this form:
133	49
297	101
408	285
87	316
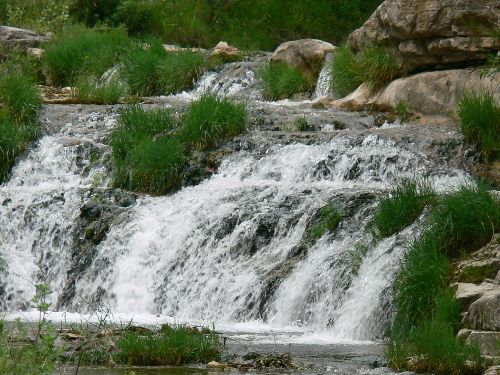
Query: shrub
41	15
327	219
170	346
401	207
142	162
20	96
374	65
210	119
88	90
280	81
479	118
465	220
84	52
153	71
93	12
346	75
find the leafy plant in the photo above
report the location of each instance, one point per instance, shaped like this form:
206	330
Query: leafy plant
401	207
479	117
280	81
210	119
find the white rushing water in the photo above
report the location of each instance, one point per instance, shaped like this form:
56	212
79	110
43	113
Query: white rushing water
233	249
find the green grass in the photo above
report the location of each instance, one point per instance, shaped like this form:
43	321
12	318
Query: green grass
465	220
153	71
145	157
18	117
80	52
88	90
427	313
374	66
401	207
40	15
479	119
326	220
279	81
170	346
402	110
211	119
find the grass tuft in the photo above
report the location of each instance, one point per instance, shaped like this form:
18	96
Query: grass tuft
374	66
401	207
170	346
210	119
83	52
280	81
154	71
87	90
479	118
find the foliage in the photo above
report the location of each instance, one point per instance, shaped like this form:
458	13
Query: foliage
374	65
465	220
427	315
80	52
210	119
479	117
145	157
326	220
21	103
280	81
169	346
41	15
88	90
401	207
153	71
403	110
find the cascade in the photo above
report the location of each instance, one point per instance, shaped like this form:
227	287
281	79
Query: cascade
234	248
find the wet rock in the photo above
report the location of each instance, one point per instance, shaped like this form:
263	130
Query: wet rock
428	93
430	33
307	55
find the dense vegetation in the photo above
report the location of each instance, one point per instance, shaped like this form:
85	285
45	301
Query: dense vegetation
18	115
260	24
151	148
427	313
280	81
479	118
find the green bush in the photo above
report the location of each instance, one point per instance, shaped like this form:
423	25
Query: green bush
93	12
88	90
40	15
210	119
401	207
153	71
465	220
170	346
18	117
373	65
84	52
20	96
479	117
145	157
279	81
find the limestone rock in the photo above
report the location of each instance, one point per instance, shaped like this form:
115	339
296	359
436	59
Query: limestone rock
426	33
494	370
467	293
226	52
307	55
484	313
428	93
486	341
37	53
482	264
215	365
13	37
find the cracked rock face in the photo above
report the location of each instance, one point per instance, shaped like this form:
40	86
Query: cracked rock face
429	33
22	39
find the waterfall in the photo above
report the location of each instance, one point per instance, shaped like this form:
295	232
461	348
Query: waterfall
323	86
234	248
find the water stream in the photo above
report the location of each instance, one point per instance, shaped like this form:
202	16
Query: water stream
232	251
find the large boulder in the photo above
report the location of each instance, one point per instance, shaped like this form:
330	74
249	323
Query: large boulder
225	52
484	314
307	55
428	93
13	37
427	33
